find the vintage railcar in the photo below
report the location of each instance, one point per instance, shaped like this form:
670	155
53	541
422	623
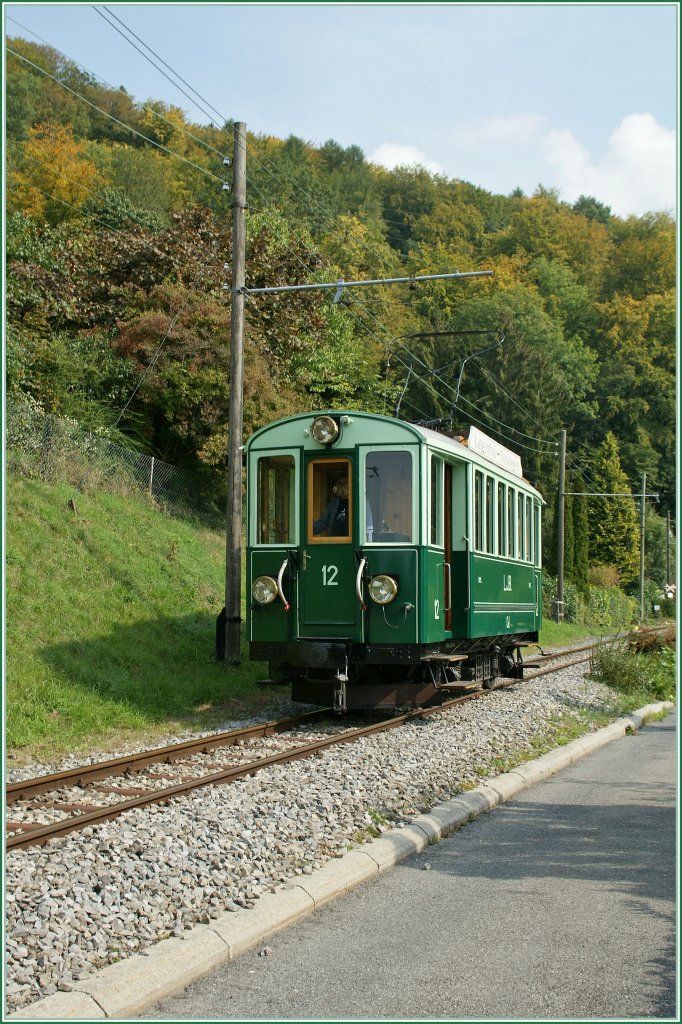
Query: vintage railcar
386	561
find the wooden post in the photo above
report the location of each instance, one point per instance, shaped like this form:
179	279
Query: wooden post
642	523
233	567
560	529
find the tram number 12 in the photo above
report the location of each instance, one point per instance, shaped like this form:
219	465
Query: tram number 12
329	574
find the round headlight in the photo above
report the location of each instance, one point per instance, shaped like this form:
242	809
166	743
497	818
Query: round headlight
325	430
264	589
383	589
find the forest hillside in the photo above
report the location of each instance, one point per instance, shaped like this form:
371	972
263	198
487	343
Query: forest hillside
118	252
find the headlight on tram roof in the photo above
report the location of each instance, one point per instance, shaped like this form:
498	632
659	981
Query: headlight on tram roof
325	430
383	589
264	589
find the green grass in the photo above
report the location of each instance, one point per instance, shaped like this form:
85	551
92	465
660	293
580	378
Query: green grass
555	634
110	622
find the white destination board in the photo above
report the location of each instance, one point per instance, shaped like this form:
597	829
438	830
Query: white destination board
495	452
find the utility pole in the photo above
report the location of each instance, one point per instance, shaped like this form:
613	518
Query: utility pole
667	549
642	523
560	529
229	632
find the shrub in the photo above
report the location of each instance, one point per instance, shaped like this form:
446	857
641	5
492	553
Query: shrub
644	640
603	576
645	675
610	607
604	606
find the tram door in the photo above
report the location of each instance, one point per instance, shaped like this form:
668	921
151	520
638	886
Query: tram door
329	605
447	543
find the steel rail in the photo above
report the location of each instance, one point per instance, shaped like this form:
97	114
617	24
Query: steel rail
37	835
33	835
136	762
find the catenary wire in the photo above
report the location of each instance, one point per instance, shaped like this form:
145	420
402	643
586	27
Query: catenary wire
262	161
108	85
425	380
134	131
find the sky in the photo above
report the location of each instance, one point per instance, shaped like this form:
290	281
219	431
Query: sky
581	98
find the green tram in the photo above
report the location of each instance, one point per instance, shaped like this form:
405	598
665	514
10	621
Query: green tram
387	561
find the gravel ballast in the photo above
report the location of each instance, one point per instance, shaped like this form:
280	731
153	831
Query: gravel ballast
114	890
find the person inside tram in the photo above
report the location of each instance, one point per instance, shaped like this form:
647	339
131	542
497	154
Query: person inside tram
335	518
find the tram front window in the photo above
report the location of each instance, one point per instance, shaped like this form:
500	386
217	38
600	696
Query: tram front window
388	492
275	499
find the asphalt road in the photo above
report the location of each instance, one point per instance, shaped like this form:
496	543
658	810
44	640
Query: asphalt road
560	903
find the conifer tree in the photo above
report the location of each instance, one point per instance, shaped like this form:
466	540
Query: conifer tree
614	527
581	535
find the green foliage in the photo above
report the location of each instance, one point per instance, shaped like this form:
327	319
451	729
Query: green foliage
614	535
610	608
643	676
115	252
581	534
603	576
606	607
655	548
343	371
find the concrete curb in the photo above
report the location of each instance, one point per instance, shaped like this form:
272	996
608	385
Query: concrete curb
132	985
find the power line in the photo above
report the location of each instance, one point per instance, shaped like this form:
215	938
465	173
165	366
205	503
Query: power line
262	162
427	382
172	70
97	11
108	85
115	119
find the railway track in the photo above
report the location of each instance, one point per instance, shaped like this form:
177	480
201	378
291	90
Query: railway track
78	798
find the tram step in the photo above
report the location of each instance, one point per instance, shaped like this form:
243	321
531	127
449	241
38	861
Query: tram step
448	658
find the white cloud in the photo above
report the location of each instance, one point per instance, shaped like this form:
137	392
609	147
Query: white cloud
635	174
392	154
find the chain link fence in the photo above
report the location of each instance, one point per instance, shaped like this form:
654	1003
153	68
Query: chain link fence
40	445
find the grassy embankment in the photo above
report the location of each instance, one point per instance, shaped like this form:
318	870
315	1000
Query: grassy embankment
110	623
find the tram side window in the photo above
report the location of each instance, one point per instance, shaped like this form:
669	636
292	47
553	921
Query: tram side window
276	495
478	511
436	499
519	528
490	515
529	530
536	534
501	521
388	496
511	494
